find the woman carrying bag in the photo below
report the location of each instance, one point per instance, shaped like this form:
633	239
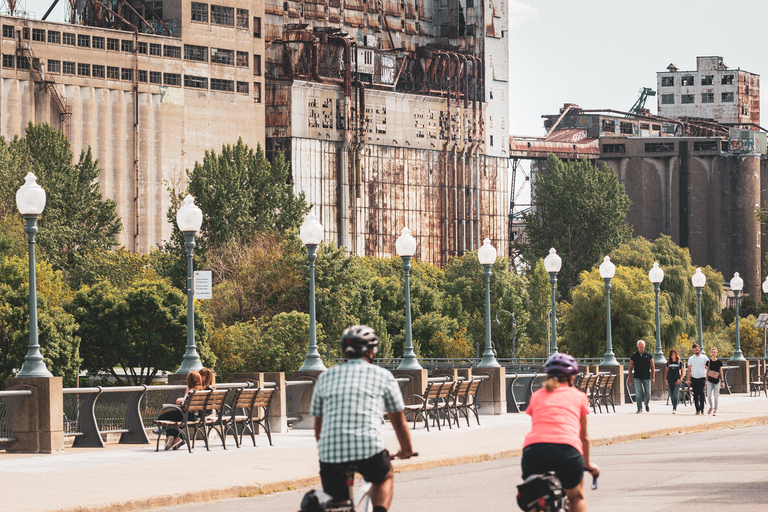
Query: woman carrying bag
715	380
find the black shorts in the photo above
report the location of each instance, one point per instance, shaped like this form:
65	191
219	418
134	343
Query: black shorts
563	459
334	475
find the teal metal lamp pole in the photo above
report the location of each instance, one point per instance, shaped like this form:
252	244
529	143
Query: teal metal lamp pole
552	264
311	234
30	199
656	275
607	271
406	248
699	280
189	218
486	255
737	284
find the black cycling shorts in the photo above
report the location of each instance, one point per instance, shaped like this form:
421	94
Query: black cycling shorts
563	459
334	475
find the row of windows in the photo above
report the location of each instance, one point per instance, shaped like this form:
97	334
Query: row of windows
656	147
706	97
227	16
688	80
221	56
126	74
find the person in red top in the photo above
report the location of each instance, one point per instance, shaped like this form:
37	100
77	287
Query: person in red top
558	438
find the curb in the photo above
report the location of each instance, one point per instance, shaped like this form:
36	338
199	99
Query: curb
247	491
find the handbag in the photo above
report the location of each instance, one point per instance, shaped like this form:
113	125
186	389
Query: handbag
713	374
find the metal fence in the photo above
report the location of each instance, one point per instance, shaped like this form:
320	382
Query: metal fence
9	404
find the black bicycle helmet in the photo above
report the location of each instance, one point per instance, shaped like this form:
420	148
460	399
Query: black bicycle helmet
357	341
561	364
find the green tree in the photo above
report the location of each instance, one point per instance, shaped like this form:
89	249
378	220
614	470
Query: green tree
77	219
141	328
57	334
232	345
583	331
239	192
120	267
580	211
283	343
539	305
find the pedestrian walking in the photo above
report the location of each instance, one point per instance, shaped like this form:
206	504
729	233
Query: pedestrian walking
696	377
673	375
715	380
644	375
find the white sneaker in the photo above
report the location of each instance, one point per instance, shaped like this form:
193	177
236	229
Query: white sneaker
674	411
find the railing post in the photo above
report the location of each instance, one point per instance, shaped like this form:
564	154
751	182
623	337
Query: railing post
134	423
307	420
415	386
492	394
38	424
618	386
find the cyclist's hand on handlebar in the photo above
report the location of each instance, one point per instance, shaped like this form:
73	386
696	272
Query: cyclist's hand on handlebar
405	455
593	470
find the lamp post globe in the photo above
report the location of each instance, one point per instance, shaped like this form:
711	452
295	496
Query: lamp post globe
311	234
607	271
699	280
30	200
737	284
656	276
189	218
486	255
553	263
405	246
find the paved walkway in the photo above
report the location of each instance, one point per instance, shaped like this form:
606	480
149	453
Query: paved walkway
134	477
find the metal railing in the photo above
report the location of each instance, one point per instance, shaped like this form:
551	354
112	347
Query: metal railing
9	404
294	390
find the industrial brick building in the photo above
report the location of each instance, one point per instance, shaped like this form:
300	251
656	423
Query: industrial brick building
391	113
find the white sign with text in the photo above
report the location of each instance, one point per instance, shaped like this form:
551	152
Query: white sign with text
203	284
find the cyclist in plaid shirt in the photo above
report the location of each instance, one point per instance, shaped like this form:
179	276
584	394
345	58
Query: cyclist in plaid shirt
348	404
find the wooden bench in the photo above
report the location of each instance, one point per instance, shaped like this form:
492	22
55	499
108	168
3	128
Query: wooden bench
428	406
193	414
465	400
214	417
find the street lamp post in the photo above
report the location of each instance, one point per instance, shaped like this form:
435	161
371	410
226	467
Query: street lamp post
699	280
656	275
737	284
311	233
607	271
30	199
486	255
514	329
405	245
552	264
765	330
189	218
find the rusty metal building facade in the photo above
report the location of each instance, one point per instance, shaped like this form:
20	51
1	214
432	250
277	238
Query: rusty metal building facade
393	114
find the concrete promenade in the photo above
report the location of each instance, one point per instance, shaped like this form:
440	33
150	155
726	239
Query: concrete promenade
134	477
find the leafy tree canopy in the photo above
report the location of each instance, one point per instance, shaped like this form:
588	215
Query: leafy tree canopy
580	211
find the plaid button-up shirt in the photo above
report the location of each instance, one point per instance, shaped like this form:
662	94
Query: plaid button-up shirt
352	399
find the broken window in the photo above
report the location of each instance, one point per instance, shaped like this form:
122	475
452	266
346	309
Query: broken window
198	53
83	69
195	82
667	99
744	110
53	37
154	49
126	74
242	59
625	128
172	79
687	98
23	63
38	35
726	97
707	79
173	52
614	148
658	147
113	73
256	92
25	34
9	31
69	39
113	44
609	125
221	15
221	56
199	12
68	68
727	80
707	97
256	27
98	71
155	77
98	43
667	81
242	87
707	145
126	46
257	64
218	84
686	80
242	18
656	127
645	126
54	66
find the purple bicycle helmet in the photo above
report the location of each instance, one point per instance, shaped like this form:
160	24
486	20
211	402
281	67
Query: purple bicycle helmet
561	364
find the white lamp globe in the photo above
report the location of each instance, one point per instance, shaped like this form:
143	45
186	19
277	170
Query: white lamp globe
189	218
487	253
699	279
765	285
30	198
311	231
553	262
737	283
607	269
656	274
405	245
